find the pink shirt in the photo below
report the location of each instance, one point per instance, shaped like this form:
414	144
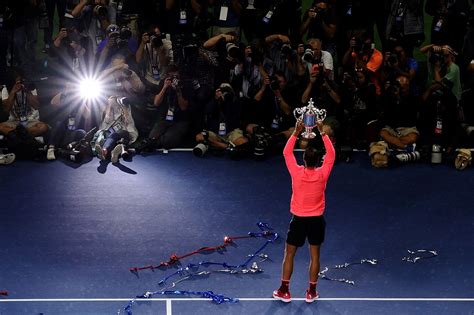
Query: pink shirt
308	185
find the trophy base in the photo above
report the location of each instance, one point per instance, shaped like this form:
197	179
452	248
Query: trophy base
308	135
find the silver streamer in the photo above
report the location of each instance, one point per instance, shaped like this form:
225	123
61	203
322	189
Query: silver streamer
322	274
254	268
416	255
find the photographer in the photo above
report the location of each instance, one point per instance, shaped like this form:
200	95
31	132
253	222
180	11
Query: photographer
227	55
359	100
314	55
272	111
21	100
70	122
320	22
174	118
72	51
397	63
449	22
221	123
120	80
284	58
362	54
117	131
399	115
443	95
119	41
405	24
95	16
442	67
153	55
324	94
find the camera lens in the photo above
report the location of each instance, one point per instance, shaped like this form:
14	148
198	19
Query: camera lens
200	149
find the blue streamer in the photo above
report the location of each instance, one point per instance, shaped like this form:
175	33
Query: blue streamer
191	270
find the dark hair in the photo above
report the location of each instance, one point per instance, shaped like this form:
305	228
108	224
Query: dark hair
312	157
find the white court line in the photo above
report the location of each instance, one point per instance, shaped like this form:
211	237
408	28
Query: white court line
184	299
168	308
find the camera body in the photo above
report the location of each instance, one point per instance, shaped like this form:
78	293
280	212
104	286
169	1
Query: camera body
274	83
436	57
392	59
156	40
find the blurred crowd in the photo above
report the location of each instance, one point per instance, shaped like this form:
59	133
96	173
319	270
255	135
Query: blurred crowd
225	76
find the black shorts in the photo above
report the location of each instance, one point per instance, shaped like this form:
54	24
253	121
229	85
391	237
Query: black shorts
301	228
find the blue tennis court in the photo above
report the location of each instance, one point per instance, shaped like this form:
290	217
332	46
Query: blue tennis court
69	236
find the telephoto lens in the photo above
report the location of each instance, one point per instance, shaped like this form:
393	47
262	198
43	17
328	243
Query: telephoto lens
200	149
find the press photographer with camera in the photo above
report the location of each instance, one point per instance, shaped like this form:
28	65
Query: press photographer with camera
173	121
399	115
442	111
221	128
119	41
153	55
20	99
324	93
119	79
320	22
359	99
449	23
271	117
69	123
396	62
23	127
442	66
315	55
94	17
405	24
362	54
70	53
284	58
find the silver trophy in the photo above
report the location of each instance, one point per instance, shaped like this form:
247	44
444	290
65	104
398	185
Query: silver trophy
309	115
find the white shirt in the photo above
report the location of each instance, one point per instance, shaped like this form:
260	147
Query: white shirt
30	112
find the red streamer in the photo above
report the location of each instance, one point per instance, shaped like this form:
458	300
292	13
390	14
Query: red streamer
174	258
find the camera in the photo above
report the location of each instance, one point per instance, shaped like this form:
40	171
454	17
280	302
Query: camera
233	50
274	83
308	55
100	11
436	57
392	59
201	148
227	92
156	40
174	81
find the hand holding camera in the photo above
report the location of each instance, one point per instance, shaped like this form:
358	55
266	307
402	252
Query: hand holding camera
18	86
62	33
145	38
312	13
168	82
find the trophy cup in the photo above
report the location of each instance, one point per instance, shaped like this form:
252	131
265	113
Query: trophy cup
309	115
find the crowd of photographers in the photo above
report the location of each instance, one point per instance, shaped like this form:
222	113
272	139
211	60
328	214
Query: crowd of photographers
225	76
